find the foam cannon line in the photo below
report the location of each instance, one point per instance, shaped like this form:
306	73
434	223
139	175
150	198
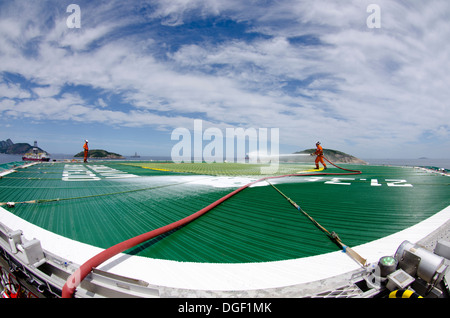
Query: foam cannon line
333	236
264	156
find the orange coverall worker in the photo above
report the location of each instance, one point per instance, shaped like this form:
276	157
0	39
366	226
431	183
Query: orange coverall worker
86	151
319	154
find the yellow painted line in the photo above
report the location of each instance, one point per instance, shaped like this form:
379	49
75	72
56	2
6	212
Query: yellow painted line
144	167
155	169
310	170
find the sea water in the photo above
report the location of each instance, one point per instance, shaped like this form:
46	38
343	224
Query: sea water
426	162
440	163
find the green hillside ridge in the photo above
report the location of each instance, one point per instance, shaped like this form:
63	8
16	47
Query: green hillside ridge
100	153
335	156
10	148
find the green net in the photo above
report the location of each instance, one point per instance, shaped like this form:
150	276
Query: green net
226	169
108	202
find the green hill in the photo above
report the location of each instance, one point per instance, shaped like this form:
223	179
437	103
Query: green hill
10	148
100	153
335	156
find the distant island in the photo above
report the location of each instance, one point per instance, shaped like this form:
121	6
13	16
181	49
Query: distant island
10	148
100	153
335	156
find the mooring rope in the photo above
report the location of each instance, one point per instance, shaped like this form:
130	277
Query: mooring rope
332	235
93	195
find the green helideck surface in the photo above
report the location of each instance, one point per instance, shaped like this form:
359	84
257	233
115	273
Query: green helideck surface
255	225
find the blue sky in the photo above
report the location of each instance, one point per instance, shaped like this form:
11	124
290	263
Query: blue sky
136	70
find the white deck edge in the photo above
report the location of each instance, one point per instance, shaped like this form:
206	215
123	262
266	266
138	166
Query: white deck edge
226	277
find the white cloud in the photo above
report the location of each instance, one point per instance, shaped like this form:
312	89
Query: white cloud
372	86
47	91
11	91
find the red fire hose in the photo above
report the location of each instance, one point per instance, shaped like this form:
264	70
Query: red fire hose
75	279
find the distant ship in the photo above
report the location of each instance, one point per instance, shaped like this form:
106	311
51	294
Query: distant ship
35	155
135	155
